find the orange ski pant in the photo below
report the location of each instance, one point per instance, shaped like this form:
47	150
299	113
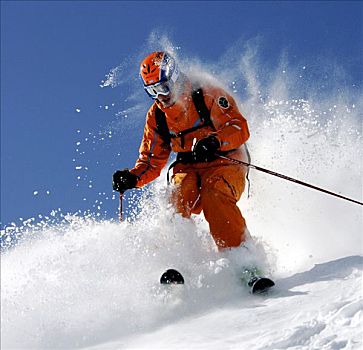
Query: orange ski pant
215	190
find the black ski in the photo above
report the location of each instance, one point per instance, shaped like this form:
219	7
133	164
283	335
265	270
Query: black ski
254	279
171	276
259	285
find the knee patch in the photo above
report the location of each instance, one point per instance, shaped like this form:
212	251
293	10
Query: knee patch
219	184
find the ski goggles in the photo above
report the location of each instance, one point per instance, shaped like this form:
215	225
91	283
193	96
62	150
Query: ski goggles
160	88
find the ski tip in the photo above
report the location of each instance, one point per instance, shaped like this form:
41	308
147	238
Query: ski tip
171	276
262	285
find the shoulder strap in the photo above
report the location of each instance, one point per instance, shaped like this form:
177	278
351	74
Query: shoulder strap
161	125
199	103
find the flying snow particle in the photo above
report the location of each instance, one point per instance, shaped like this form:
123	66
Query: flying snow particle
35	193
78	110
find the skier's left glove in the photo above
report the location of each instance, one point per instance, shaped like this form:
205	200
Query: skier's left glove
123	180
204	149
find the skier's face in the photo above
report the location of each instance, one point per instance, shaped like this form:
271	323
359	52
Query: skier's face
166	100
172	97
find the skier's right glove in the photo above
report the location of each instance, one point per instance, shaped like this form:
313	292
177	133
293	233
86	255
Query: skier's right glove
123	180
204	149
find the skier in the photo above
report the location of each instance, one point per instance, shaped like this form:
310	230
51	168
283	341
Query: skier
200	122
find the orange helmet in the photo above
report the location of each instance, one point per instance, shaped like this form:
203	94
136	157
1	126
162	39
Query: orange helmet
158	72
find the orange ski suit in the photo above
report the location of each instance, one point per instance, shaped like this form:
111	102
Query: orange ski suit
214	187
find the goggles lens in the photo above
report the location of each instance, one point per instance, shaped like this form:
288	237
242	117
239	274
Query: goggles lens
161	88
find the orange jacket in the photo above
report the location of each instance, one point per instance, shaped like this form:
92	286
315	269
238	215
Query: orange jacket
231	129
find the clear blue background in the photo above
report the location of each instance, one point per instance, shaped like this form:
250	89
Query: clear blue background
54	56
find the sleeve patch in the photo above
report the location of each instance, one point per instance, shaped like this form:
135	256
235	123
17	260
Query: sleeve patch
223	102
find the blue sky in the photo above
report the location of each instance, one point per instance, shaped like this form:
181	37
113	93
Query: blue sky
54	55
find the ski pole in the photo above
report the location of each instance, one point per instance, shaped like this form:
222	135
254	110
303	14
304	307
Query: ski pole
288	178
121	213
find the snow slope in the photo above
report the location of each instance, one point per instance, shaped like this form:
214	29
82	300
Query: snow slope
94	285
317	309
72	281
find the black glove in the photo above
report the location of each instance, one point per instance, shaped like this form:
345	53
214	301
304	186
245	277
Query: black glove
204	149
123	180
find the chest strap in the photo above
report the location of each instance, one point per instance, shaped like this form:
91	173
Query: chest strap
204	114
